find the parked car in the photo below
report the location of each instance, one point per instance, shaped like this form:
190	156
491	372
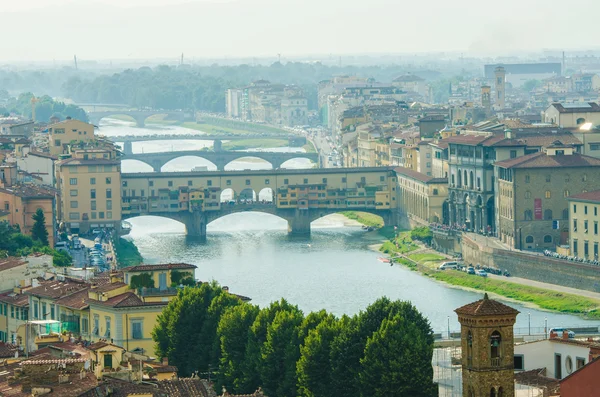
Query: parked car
481	273
559	332
470	270
449	265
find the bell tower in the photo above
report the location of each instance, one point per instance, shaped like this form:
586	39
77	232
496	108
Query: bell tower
487	348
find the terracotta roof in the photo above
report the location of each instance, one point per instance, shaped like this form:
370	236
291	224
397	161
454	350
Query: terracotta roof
15	299
54	361
165	369
537	378
164	266
109	286
56	289
592	108
486	307
78	300
184	387
42	154
544	140
418	175
75	161
101	344
10	262
29	191
8	350
587	196
542	160
128	299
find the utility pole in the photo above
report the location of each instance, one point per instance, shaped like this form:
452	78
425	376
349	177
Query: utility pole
279	58
75	60
181	62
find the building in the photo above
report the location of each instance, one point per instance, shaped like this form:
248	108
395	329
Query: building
63	134
572	115
431	125
23	200
294	111
14	312
90	182
16	126
583	224
439	159
411	83
533	192
40	164
422	198
486	328
585	82
500	83
233	102
559	355
518	74
582	382
558	85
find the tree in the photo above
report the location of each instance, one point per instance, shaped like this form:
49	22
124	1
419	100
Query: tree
531	85
423	234
233	332
280	352
397	361
38	231
314	366
62	259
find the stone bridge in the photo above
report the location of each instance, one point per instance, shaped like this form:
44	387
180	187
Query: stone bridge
298	196
220	159
139	116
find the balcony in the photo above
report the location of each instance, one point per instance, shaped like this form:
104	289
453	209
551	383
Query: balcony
495	362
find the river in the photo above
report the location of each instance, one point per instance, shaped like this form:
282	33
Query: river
334	269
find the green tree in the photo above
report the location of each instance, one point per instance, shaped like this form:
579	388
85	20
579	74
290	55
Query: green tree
61	259
141	280
423	234
280	352
233	332
530	85
38	231
397	361
314	366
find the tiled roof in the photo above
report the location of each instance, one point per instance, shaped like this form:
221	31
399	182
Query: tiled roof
42	154
164	266
29	191
54	361
8	350
10	262
75	161
109	287
56	289
128	299
99	345
165	369
185	387
15	299
77	300
419	176
542	160
544	140
486	307
587	196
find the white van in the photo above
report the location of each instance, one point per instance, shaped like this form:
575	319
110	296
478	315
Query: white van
449	265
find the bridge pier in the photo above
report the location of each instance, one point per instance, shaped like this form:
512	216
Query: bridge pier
139	122
299	225
127	148
195	224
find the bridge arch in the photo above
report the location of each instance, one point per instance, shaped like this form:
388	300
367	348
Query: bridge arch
174	164
134	165
230	166
298	163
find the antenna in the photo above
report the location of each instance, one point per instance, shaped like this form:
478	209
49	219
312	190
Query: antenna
75	59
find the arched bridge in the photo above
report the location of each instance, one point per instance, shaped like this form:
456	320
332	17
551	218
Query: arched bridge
298	196
220	159
139	116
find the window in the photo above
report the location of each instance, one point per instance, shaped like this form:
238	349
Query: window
575	247
151	183
107	333
190	183
565	214
84	325
325	180
74	204
108	180
57	142
36	313
142	193
136	329
519	362
170	183
548	215
94	215
344	179
513	154
108	214
92	181
586	248
73	215
595	228
527	179
527	194
584	178
12	311
548	194
228	182
93	193
567	193
528	215
52	312
108	193
124	183
496	348
109	204
435	192
529	239
547	239
73	181
548	178
266	181
575	224
585	226
96	330
247	182
101	214
585	209
305	180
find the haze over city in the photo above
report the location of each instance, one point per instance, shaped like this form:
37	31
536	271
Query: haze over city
134	29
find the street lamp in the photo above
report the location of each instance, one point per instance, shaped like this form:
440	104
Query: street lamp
529	315
448	327
546	327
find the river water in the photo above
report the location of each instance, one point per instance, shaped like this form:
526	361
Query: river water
334	269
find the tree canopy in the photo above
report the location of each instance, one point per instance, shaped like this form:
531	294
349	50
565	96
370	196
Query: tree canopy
13	242
289	354
38	231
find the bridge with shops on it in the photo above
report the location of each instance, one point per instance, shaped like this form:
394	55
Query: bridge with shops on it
298	196
220	159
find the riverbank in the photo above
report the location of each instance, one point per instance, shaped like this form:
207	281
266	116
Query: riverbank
126	253
244	144
427	263
364	218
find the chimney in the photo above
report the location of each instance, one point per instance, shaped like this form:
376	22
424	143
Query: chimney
165	361
508	134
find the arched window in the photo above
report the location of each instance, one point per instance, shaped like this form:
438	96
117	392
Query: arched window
529	239
466	181
471	180
495	345
459	180
580	120
500	392
565	213
547	239
528	215
469	349
548	215
493	392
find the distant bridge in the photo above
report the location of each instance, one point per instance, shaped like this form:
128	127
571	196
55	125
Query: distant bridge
298	196
219	158
139	116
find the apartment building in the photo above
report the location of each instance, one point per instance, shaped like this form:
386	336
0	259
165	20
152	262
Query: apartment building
572	115
583	224
63	134
90	182
422	197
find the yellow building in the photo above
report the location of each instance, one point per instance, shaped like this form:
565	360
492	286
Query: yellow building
90	182
14	310
61	135
21	201
583	224
422	197
106	357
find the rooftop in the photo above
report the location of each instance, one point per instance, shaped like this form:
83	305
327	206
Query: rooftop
77	300
15	299
30	191
587	196
581	107
128	299
10	262
486	307
419	176
56	289
542	160
75	161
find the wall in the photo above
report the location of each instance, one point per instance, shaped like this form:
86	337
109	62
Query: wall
540	354
41	166
584	383
65	132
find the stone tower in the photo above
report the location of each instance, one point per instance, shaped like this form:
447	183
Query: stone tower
486	98
500	87
487	348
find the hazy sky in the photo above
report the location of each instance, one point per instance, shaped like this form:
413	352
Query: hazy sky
130	29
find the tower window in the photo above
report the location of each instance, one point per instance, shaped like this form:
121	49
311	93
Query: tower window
496	348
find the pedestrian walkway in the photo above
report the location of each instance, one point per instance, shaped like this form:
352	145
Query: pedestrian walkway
552	287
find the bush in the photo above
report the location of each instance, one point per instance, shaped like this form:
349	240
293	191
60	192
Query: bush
423	234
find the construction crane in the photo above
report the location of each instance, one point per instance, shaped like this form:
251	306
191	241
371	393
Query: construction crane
34	100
